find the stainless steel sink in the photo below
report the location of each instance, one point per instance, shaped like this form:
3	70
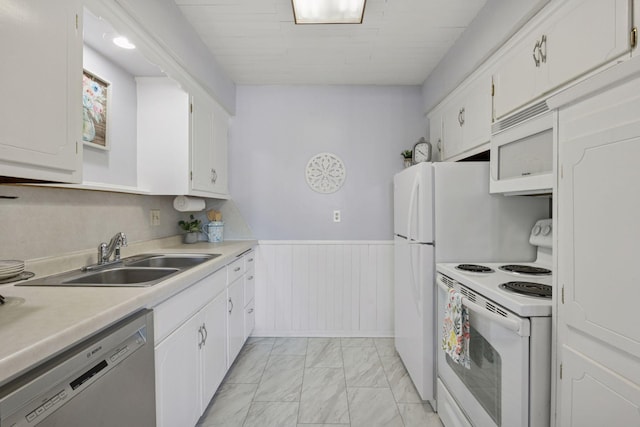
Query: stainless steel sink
169	261
123	276
136	271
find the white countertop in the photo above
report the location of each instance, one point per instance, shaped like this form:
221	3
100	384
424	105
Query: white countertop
39	322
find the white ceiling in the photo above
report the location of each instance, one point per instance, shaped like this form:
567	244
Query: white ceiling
399	42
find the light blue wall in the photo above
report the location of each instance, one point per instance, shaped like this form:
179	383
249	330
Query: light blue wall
277	130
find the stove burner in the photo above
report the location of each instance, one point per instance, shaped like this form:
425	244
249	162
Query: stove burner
526	269
528	288
474	268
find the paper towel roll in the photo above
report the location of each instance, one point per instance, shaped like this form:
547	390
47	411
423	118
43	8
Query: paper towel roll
188	204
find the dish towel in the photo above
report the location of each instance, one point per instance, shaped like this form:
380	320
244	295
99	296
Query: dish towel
455	331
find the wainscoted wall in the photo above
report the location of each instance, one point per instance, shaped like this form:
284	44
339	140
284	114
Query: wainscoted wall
324	288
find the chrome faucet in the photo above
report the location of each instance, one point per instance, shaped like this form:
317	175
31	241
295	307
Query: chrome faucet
105	250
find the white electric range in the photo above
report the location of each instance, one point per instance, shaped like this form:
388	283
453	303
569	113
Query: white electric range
509	382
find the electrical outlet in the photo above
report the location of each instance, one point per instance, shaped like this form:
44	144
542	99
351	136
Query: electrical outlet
154	216
336	216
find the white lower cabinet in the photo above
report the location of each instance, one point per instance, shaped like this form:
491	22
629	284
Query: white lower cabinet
178	366
198	334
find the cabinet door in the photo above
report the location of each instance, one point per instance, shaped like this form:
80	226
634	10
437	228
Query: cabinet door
452	122
435	134
517	79
249	318
208	146
178	378
41	90
588	35
235	319
477	114
598	211
214	350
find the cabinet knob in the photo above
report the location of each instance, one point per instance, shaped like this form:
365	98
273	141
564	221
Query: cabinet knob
236	269
250	311
250	278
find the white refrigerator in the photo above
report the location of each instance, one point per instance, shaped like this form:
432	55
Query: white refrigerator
443	212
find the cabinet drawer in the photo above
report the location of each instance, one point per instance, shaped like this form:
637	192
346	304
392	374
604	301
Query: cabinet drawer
235	270
249	261
249	286
170	314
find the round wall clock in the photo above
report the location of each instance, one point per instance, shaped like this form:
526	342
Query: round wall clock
325	173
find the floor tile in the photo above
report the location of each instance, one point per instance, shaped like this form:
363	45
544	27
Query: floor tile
291	346
324	353
249	365
357	342
324	396
418	415
401	385
362	367
272	414
229	406
260	340
372	407
385	346
282	379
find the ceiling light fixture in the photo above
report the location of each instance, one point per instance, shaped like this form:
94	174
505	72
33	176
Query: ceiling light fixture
328	11
123	42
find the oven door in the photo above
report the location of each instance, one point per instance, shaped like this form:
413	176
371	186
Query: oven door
494	391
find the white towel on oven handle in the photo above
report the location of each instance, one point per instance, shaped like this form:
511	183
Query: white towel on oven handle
455	330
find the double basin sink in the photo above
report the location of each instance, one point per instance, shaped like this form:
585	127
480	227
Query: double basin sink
136	271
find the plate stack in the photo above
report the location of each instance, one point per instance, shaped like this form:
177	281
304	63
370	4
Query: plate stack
10	268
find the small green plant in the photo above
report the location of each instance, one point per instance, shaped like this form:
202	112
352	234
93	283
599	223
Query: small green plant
407	154
191	225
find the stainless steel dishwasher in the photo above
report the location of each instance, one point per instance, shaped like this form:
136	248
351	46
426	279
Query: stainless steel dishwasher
107	380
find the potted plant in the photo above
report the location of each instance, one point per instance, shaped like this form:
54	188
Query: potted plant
192	227
408	157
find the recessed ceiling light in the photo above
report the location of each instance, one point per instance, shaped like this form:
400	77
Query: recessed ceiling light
328	11
123	42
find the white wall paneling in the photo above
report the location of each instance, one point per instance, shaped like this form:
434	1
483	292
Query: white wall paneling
324	288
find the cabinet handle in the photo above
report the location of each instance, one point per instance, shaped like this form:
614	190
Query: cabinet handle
440	145
214	176
236	269
201	342
250	311
461	116
536	52
250	278
250	260
543	44
206	334
231	308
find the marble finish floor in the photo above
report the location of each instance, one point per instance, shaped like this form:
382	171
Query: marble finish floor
315	382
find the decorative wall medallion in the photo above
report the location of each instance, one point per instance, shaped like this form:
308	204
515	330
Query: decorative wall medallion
325	173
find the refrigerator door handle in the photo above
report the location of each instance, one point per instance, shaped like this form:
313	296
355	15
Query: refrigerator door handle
414	286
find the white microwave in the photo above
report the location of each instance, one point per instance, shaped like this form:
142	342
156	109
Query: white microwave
522	160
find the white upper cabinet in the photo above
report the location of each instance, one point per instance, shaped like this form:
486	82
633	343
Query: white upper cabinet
209	128
576	39
466	121
41	90
182	140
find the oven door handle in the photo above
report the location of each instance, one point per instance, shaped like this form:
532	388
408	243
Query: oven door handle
519	327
